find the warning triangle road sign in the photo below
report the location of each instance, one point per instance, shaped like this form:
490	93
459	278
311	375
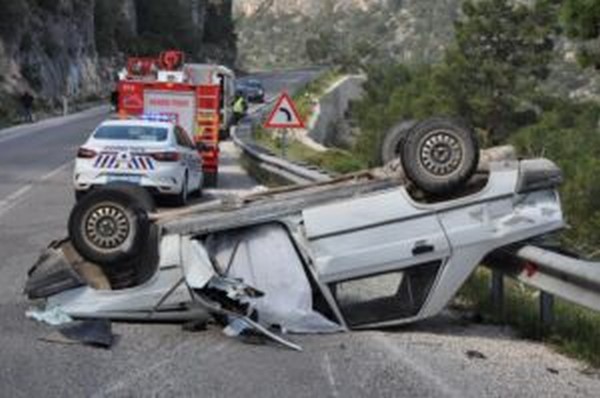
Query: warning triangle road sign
284	115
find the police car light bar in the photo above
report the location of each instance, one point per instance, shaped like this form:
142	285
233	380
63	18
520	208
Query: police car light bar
159	117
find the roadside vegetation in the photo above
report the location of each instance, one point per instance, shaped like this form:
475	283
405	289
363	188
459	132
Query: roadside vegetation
575	331
305	100
337	161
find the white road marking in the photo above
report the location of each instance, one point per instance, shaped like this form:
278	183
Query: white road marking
329	373
15	198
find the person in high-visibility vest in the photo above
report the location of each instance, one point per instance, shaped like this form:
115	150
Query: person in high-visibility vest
239	106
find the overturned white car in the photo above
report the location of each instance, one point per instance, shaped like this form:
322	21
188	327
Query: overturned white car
356	252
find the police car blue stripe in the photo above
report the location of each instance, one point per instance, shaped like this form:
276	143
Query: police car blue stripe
112	164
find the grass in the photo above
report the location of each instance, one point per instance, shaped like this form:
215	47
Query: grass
305	99
335	161
575	332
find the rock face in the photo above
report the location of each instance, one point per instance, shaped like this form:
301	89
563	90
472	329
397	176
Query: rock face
73	47
294	32
291	33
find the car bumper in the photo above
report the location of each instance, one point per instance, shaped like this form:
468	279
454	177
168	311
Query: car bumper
163	182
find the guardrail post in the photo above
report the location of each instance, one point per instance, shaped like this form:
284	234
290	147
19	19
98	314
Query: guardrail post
65	105
546	311
284	143
498	294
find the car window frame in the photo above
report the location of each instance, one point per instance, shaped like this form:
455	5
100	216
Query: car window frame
180	134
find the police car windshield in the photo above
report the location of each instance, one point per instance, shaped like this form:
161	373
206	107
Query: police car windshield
132	133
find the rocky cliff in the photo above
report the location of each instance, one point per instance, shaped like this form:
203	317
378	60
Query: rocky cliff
72	47
295	32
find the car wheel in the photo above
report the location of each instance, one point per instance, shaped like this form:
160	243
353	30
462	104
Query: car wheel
80	195
182	198
392	143
440	155
211	179
197	192
108	226
141	195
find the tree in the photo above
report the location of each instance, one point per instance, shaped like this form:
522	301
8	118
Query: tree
581	19
502	52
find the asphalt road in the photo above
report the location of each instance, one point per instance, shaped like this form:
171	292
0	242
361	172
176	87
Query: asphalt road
431	359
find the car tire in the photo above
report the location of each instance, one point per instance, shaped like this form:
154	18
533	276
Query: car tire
182	198
440	155
80	195
109	226
211	179
391	147
141	195
197	193
224	134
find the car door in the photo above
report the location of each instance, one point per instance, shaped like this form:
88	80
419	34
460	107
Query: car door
379	255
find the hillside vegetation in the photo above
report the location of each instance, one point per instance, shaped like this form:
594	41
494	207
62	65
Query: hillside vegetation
292	33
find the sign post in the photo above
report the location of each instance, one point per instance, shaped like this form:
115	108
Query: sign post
283	117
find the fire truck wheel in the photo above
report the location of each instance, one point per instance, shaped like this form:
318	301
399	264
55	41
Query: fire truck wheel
224	134
440	155
211	179
109	226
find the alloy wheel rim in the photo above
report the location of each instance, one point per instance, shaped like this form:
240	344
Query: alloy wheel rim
441	153
107	227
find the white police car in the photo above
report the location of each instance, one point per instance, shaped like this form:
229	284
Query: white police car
152	152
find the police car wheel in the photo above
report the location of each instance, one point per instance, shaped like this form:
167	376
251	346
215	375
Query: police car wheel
440	155
109	226
182	198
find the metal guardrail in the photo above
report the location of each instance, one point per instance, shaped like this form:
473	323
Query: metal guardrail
285	169
554	274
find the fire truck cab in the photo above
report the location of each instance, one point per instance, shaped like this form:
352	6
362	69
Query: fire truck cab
198	96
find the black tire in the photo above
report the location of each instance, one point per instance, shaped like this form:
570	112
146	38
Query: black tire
182	198
141	195
391	147
440	155
211	179
109	226
80	195
224	134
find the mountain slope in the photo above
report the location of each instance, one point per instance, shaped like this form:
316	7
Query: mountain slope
294	32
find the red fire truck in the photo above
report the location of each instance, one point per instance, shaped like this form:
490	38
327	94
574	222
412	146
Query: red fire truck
198	96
